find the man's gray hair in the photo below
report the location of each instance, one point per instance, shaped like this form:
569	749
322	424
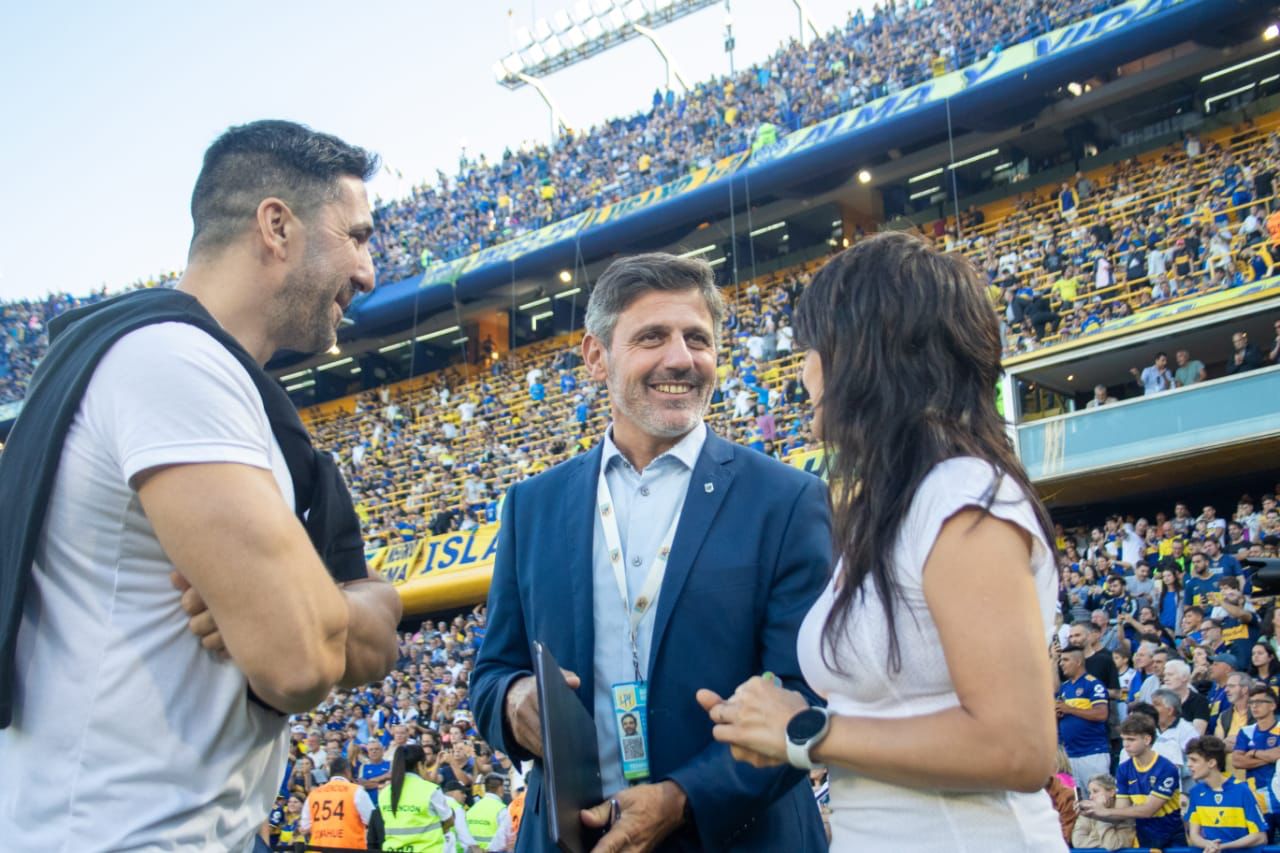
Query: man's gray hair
1169	698
1178	669
627	279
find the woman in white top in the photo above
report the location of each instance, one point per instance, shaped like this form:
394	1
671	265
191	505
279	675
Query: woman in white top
930	644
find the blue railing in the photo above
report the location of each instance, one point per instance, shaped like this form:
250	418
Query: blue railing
1222	411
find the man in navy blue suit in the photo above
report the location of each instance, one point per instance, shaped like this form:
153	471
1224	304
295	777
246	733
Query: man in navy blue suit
663	561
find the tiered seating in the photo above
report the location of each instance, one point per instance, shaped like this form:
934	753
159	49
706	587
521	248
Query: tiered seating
893	48
1190	207
409	451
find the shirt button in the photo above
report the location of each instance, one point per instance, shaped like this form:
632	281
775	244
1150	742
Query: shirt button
635	561
644	490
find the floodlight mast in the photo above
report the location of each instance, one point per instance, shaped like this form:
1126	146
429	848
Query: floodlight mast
805	20
594	28
667	61
557	117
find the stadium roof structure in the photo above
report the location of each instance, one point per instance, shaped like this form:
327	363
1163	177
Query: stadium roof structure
589	29
1006	89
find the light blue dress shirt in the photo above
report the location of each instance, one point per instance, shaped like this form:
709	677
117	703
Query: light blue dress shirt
644	503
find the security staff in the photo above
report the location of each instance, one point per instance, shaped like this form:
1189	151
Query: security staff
416	815
488	816
337	813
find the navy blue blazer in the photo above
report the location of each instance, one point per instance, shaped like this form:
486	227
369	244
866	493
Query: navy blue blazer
750	557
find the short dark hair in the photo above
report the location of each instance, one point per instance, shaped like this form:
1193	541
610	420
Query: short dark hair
339	766
494	782
267	158
1073	650
628	278
1139	725
1209	748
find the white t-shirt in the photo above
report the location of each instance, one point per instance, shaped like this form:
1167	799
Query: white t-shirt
869	815
128	734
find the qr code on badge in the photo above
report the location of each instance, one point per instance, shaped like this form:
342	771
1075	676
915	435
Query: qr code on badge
632	748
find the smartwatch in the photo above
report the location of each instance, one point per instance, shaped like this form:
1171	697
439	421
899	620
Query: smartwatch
805	731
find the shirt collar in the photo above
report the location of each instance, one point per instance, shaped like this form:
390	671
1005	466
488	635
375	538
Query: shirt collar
686	450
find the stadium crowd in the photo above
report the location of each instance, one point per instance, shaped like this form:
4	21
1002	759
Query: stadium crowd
1158	621
1063	262
1197	218
23	335
897	45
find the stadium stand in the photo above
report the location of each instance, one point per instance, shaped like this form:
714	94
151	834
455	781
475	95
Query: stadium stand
1159	228
1189	219
22	331
488	203
429	458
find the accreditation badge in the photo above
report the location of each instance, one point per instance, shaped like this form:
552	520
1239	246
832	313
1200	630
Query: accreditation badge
630	699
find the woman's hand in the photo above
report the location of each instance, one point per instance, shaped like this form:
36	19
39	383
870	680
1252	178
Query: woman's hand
753	721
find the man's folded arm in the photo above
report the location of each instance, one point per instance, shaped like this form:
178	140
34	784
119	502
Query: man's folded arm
504	654
373	608
721	789
228	531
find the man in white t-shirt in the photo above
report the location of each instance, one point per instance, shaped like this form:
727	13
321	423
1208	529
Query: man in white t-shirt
176	608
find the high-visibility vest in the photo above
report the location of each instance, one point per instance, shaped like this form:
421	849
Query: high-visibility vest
335	820
414	826
482	819
516	810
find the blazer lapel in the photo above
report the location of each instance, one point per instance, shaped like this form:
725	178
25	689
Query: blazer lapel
708	486
576	549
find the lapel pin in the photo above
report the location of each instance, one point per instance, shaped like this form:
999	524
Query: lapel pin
709	487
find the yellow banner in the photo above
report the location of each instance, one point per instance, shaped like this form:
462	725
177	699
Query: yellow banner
399	560
460	550
808	460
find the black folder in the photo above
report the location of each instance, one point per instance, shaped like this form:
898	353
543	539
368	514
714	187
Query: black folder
570	758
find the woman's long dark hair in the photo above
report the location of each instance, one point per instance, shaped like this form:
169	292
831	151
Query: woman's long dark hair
910	353
407	757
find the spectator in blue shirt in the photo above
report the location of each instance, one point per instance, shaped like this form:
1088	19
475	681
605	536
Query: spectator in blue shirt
1223	812
1220	563
1082	717
375	770
1146	789
1257	749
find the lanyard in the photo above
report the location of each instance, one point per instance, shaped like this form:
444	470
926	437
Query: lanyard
653	579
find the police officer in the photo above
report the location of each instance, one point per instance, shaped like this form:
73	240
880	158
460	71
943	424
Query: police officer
415	812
